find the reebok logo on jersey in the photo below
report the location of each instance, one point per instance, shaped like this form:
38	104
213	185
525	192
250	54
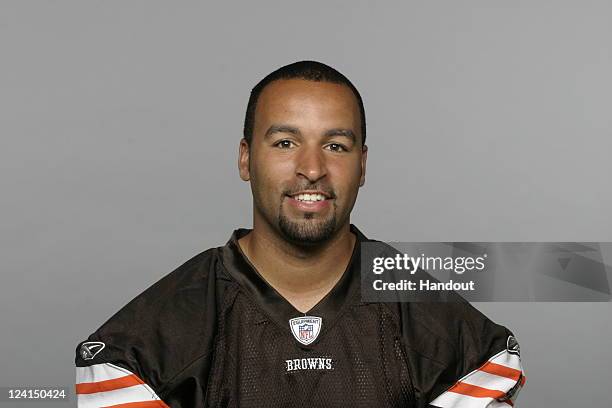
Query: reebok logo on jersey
306	329
90	349
311	363
512	346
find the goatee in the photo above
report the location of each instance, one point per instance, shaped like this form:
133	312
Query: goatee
307	230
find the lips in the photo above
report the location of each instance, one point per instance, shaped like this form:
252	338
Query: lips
309	197
311	201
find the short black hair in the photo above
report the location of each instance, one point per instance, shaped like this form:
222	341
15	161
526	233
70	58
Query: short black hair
309	71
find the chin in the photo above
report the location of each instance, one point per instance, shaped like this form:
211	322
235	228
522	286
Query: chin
307	230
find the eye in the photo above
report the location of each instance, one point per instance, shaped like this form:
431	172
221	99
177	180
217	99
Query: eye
336	147
284	144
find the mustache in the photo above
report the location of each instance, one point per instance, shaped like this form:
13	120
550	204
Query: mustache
318	187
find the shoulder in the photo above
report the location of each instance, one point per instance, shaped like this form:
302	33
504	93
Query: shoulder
152	338
168	305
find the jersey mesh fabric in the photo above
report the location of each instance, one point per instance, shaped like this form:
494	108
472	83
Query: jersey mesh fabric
250	365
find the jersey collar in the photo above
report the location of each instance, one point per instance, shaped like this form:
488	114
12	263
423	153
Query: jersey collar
277	308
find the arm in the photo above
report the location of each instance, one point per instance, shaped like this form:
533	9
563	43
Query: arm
458	358
107	384
496	383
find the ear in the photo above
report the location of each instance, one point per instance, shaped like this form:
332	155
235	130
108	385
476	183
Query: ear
364	158
243	160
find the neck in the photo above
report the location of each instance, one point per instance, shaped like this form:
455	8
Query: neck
303	275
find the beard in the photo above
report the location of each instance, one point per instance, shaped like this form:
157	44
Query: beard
307	230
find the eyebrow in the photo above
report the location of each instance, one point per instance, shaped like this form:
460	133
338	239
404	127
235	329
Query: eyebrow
282	129
342	132
295	131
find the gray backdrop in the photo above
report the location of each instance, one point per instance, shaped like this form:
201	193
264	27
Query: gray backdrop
120	121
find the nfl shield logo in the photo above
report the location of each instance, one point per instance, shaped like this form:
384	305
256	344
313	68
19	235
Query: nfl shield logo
305	329
305	332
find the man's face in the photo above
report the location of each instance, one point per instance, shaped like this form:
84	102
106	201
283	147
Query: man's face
306	161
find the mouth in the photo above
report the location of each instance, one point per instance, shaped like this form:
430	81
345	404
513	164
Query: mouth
310	197
311	201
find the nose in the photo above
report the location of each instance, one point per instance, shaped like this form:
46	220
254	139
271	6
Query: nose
311	164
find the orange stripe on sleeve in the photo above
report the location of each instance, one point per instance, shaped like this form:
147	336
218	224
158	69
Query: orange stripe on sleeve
108	385
501	370
475	391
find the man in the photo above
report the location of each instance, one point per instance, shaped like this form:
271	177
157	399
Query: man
274	318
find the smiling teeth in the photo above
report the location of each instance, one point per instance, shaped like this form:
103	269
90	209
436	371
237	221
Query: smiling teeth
309	197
